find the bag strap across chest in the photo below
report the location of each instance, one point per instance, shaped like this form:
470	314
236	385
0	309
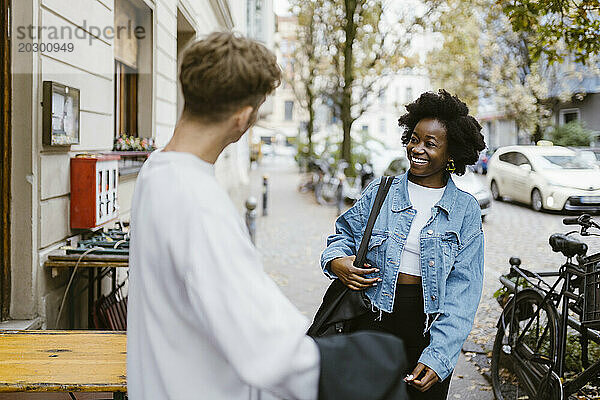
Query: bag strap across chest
384	187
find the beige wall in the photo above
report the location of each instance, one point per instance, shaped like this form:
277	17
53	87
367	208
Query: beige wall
499	131
40	174
24	210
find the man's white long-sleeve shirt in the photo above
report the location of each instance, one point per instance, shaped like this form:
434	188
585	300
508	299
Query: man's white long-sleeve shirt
204	320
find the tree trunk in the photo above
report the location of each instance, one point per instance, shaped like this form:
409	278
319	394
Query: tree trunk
346	106
538	134
310	126
310	94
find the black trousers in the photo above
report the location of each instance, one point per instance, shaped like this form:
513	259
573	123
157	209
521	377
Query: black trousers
407	322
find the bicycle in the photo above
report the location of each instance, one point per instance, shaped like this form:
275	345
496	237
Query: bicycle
328	188
528	357
314	170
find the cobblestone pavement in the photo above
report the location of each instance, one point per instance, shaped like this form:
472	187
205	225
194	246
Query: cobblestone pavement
293	234
291	239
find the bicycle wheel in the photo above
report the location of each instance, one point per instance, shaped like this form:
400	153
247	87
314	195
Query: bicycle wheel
520	368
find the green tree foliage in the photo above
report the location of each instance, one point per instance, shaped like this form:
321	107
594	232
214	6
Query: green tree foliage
304	71
523	88
551	23
455	66
571	134
483	57
362	47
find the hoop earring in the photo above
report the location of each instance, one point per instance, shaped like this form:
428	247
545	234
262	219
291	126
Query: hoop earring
451	167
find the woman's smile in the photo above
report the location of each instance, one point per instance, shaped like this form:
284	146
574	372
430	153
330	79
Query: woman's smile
418	161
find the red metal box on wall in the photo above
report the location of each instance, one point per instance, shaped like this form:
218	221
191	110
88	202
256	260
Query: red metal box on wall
94	183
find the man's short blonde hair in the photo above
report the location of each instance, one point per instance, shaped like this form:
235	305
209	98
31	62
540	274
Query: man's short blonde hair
225	72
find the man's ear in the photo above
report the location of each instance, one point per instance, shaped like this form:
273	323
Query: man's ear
242	118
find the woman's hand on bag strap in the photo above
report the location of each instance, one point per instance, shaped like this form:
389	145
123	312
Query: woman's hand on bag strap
351	276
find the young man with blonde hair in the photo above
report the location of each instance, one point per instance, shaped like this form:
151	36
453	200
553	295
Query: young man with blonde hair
204	320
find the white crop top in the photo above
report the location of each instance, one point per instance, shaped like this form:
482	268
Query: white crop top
422	199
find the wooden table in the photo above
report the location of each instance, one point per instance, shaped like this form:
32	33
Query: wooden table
63	361
96	267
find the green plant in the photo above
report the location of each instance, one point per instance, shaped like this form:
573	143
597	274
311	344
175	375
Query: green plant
571	134
573	353
502	295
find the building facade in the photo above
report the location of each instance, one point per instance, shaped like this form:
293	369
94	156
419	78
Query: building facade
380	121
122	56
583	106
582	86
499	130
288	114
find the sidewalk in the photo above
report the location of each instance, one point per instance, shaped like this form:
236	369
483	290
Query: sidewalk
291	238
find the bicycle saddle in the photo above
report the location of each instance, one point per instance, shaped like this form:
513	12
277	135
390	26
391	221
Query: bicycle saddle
569	246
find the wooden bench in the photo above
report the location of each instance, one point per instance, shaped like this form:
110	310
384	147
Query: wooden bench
63	361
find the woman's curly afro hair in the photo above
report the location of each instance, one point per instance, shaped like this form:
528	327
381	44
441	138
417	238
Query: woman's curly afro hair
465	140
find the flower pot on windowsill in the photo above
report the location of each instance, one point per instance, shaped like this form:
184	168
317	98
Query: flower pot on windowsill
131	143
134	152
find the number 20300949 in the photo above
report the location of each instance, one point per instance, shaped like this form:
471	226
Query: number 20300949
45	47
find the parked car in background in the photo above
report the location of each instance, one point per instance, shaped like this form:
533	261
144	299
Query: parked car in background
397	166
545	177
481	165
382	160
469	182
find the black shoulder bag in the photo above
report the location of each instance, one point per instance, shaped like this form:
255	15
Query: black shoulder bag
341	306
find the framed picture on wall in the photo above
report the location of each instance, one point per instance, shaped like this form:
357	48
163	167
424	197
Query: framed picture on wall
60	115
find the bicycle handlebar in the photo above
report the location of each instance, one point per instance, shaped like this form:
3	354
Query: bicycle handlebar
584	220
571	221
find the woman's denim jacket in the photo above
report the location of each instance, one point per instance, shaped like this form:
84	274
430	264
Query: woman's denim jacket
451	261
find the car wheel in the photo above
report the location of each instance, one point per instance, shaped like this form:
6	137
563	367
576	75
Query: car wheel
495	191
537	202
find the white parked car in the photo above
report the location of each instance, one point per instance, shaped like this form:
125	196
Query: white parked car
546	177
471	183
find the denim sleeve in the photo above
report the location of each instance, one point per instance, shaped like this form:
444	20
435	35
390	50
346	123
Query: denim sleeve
463	292
348	228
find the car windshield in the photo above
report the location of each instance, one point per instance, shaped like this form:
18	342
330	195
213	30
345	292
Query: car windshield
588	156
565	161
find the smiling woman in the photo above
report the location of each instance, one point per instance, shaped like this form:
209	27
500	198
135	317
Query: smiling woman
425	273
461	131
427	151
